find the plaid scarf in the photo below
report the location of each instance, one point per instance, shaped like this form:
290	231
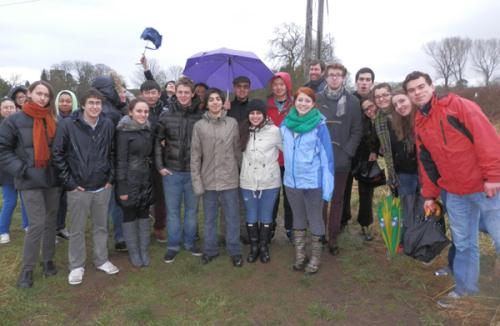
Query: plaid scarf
382	130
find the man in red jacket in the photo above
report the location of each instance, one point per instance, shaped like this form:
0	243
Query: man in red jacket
458	153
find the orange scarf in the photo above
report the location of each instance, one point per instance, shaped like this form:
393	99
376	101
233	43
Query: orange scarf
42	132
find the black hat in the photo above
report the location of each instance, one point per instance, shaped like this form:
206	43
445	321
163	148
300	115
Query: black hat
241	79
257	105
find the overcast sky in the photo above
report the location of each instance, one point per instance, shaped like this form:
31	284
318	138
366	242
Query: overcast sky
386	35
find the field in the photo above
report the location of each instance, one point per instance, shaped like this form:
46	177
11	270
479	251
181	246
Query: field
361	286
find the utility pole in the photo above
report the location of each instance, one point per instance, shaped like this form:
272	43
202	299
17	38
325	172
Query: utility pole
319	35
308	38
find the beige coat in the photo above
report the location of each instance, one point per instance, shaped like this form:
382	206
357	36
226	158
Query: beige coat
215	154
260	169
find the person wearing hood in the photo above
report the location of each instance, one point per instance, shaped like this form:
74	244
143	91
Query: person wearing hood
173	159
343	115
278	106
134	153
108	87
9	193
83	155
215	157
260	178
19	95
309	175
26	138
66	103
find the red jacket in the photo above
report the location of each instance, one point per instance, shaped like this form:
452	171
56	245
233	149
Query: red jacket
458	149
272	111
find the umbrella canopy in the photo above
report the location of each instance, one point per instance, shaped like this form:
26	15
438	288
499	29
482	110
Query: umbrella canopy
389	212
219	67
152	35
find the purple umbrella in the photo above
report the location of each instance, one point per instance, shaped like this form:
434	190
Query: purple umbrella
219	67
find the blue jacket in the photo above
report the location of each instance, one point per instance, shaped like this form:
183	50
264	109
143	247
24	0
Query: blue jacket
309	159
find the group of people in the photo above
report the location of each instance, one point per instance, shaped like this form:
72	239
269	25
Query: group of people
170	147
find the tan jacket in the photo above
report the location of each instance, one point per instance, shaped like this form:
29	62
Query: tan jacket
215	154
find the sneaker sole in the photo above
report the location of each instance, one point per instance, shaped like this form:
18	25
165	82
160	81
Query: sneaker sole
197	254
75	283
108	273
168	261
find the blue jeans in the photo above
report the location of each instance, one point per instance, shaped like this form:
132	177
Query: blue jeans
116	216
259	205
229	201
178	189
408	184
464	213
9	195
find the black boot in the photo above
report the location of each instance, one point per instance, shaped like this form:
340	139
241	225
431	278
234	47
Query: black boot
265	231
253	235
25	279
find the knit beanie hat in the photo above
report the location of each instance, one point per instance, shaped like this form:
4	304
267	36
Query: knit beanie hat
257	105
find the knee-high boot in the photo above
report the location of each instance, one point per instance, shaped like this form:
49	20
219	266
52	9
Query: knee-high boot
264	238
299	241
144	238
316	248
253	236
130	233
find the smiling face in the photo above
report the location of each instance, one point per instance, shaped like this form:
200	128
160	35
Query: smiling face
419	91
20	98
279	89
7	108
152	96
184	95
255	117
369	109
140	112
40	95
382	98
315	72
92	109
241	90
402	104
303	104
65	104
214	104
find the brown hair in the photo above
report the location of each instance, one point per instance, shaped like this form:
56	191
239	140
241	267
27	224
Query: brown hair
337	66
404	126
306	90
91	92
184	81
50	105
416	75
134	102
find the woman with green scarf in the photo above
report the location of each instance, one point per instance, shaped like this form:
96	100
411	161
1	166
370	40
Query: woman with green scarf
308	178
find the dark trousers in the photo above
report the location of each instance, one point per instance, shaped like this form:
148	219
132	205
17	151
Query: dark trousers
131	214
346	210
332	211
61	212
286	205
365	212
160	211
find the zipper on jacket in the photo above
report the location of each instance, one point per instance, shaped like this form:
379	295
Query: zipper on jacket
442	130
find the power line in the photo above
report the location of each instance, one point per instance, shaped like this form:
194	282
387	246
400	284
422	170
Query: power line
17	3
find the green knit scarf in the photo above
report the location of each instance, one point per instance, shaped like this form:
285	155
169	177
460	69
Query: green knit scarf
302	124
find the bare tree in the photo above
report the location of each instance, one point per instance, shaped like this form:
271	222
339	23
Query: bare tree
154	66
174	72
441	54
461	48
486	57
287	48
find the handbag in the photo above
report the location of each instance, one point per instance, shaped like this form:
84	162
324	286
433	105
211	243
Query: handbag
369	172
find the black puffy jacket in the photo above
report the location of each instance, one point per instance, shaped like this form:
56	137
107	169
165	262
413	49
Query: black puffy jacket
175	128
111	106
82	155
134	157
17	154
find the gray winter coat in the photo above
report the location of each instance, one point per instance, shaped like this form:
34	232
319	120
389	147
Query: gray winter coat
215	154
345	130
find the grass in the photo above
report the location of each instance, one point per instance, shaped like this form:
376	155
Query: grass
360	286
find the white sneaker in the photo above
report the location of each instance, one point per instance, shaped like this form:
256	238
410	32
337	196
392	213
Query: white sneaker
108	268
76	276
4	238
26	229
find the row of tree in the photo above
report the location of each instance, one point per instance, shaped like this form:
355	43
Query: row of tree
451	57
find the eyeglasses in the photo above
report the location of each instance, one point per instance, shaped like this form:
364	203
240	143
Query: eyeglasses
334	76
379	97
370	107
